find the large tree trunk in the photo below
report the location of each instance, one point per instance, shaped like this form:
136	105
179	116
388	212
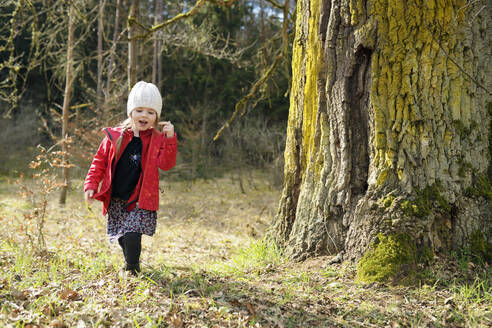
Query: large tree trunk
388	128
66	105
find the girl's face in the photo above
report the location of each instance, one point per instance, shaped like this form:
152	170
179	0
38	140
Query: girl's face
143	118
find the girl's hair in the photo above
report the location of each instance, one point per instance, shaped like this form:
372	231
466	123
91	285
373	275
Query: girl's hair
127	124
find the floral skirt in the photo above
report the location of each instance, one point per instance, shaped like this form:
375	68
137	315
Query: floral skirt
121	221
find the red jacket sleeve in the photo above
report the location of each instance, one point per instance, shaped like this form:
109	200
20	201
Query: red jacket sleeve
167	152
98	166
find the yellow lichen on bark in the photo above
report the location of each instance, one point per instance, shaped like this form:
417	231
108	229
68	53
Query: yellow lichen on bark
314	63
356	11
307	61
409	72
295	95
416	90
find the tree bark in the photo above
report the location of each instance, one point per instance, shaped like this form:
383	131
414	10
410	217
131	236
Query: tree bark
66	105
386	134
132	44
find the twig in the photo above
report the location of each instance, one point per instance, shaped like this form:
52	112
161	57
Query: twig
48	130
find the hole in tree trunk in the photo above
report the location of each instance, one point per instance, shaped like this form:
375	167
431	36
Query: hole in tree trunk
358	88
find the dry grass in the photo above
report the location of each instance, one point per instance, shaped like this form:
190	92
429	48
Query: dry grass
204	221
207	267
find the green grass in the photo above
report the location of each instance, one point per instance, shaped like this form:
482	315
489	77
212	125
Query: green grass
209	266
259	256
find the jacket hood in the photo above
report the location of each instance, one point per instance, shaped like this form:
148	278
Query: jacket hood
114	133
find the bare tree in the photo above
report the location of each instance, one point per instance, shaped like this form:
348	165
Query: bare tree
66	103
132	43
110	69
157	60
100	27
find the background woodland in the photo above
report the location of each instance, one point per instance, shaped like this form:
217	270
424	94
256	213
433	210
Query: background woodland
203	64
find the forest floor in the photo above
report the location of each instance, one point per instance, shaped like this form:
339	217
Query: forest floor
207	266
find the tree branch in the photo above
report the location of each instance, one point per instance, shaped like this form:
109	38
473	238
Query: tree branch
191	12
154	28
276	4
241	104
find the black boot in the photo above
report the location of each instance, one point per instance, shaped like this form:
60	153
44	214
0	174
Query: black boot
122	245
132	242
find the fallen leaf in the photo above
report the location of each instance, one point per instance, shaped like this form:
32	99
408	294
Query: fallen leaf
57	323
69	295
49	310
250	309
20	295
449	301
235	302
176	321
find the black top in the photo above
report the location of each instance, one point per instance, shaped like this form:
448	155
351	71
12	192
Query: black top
128	170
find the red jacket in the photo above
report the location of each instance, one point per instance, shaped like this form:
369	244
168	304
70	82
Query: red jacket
158	151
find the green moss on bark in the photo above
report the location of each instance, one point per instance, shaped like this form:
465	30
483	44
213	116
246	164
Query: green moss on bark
387	258
388	201
479	247
425	200
425	255
481	188
489	111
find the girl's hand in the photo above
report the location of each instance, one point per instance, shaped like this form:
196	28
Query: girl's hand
167	128
88	196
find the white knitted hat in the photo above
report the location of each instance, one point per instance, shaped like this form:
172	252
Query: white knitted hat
144	94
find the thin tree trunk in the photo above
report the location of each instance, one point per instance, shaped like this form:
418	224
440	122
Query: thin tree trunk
66	105
156	62
386	135
111	56
262	22
100	25
263	34
159	61
132	44
159	47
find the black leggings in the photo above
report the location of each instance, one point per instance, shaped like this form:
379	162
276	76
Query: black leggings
131	244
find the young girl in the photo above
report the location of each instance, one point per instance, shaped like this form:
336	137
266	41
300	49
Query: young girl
126	163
